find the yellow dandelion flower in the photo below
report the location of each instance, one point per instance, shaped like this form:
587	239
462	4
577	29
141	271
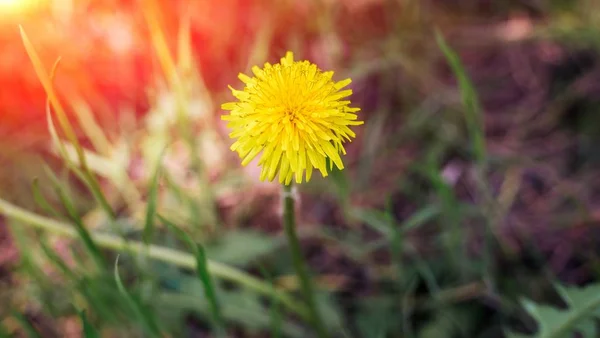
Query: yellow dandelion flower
295	116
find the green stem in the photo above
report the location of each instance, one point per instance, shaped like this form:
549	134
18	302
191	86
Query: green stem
289	225
153	251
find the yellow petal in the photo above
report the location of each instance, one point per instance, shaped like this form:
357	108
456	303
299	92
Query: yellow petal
244	78
342	84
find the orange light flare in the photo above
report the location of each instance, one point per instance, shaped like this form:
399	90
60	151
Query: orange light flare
11	8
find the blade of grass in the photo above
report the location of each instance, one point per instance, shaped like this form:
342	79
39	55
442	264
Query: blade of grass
47	84
160	253
57	261
451	214
46	81
417	219
184	47
470	99
381	221
151	203
27	260
87	177
276	318
420	217
142	313
393	233
203	276
96	163
41	201
83	233
30	331
474	120
159	41
90	127
185	60
96	299
52	100
88	329
148	322
52	97
51	128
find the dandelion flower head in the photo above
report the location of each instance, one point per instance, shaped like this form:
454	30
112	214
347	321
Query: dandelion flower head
295	116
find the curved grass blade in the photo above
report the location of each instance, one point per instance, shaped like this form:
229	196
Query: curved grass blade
144	315
53	101
66	126
46	82
203	275
86	176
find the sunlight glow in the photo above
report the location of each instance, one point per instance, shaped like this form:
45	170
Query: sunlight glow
17	6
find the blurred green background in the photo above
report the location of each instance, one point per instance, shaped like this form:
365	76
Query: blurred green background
470	204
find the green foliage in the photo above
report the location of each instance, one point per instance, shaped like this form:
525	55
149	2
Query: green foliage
469	96
378	318
3	332
88	329
78	222
143	314
580	316
29	329
151	204
241	247
204	277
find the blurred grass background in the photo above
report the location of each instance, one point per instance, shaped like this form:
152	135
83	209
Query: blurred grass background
473	183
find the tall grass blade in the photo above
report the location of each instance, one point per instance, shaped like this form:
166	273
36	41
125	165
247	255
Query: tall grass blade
469	98
184	43
90	127
46	81
152	204
159	41
203	275
53	101
275	311
74	216
474	119
87	177
88	329
144	315
170	70
41	201
420	217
